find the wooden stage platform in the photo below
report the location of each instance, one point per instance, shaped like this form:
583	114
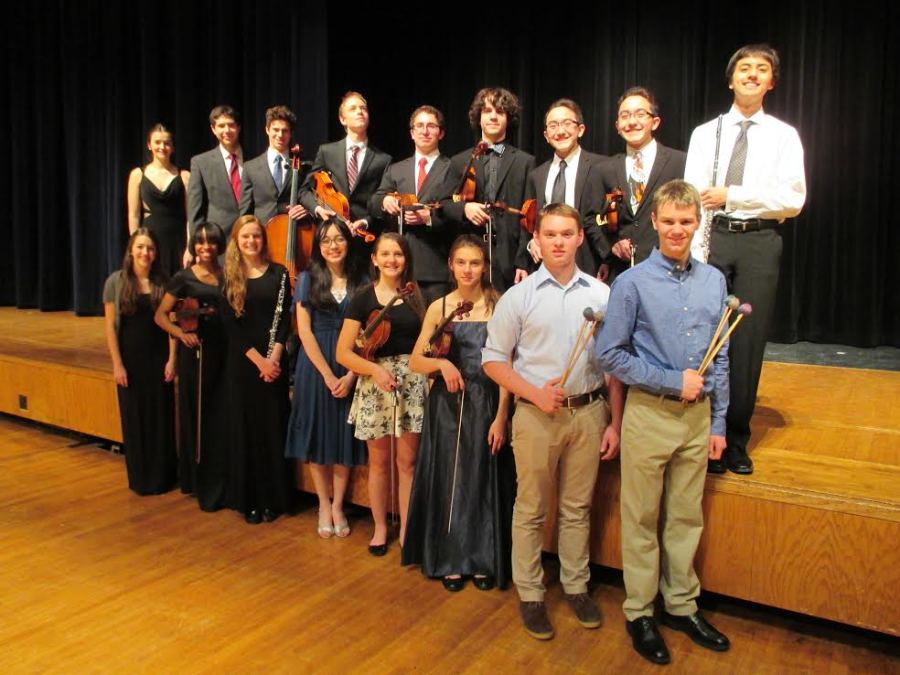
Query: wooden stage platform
816	529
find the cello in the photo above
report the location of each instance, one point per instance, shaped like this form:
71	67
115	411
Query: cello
290	241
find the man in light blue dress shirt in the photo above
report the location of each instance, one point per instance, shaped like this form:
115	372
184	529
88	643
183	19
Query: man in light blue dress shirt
661	317
559	433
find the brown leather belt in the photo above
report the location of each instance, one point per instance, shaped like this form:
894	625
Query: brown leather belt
579	400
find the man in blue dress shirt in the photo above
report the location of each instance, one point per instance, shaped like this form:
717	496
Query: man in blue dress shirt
559	434
661	317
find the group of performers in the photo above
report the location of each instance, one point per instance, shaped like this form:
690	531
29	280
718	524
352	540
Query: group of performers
467	326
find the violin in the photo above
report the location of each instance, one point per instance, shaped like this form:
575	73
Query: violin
330	198
527	214
187	313
467	186
378	327
410	202
609	216
290	241
439	342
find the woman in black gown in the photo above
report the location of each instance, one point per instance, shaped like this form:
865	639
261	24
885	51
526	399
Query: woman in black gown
201	363
157	199
143	366
257	316
461	506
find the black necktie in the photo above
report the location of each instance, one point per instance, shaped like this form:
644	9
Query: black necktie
558	193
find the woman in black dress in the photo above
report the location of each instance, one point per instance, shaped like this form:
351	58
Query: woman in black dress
461	505
388	400
257	316
318	431
202	439
157	199
143	366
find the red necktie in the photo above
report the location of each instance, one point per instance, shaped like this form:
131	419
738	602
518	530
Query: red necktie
420	181
235	178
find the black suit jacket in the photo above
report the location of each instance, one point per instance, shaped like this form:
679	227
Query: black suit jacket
332	157
589	199
429	244
637	226
259	195
210	198
512	180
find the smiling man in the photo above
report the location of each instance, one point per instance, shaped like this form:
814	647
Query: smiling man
266	183
645	165
572	177
759	183
661	316
559	434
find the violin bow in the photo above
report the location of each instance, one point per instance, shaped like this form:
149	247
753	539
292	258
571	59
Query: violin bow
462	403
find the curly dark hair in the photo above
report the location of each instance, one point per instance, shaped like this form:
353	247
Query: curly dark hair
502	99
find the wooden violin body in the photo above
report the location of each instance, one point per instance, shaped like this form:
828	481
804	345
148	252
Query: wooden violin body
439	342
609	218
467	186
329	197
187	313
378	326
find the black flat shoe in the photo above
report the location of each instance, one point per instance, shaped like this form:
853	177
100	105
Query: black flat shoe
738	461
253	517
269	516
453	585
698	629
484	583
647	641
716	466
378	550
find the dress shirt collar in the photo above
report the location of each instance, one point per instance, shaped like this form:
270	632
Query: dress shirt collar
362	145
648	152
571	160
227	155
657	259
430	158
543	276
271	154
734	116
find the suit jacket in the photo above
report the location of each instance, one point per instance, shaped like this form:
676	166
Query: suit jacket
332	157
430	244
589	199
210	198
512	179
637	226
259	195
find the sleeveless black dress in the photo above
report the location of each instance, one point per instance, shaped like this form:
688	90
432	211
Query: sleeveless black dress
165	216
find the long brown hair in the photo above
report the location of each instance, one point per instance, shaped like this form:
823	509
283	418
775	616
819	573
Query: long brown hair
415	300
471	241
235	269
157	277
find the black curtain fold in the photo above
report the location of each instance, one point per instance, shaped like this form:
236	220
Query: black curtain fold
85	80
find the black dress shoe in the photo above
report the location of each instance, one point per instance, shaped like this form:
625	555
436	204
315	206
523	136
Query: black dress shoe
715	466
378	550
484	583
253	516
738	461
269	516
453	585
647	641
698	629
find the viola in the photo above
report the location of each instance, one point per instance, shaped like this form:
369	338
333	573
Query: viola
439	342
331	198
290	241
609	215
187	313
467	186
378	327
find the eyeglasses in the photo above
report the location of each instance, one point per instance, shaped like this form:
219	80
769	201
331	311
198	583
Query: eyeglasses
640	115
430	126
328	242
568	125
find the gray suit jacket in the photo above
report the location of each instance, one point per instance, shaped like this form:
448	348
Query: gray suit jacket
429	244
210	198
258	193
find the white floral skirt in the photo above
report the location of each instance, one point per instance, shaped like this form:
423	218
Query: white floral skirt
375	412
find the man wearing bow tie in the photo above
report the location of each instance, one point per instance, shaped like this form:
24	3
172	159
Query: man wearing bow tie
266	182
501	176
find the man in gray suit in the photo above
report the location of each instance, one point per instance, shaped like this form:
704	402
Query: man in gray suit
425	176
266	179
215	188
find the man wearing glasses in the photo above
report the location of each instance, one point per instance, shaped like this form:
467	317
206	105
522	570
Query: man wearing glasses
424	176
572	177
645	165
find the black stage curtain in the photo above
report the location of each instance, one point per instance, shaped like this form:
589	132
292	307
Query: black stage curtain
86	80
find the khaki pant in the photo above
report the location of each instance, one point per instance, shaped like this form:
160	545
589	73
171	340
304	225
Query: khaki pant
665	446
558	452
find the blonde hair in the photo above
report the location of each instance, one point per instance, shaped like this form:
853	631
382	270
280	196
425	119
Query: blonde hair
235	269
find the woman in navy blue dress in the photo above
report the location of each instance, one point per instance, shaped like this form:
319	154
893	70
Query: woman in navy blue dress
318	431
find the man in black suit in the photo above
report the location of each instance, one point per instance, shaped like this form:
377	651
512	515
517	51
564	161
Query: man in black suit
266	180
356	167
214	190
644	166
501	175
572	177
425	176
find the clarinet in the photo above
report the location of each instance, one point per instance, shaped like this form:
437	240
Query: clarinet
708	214
276	319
